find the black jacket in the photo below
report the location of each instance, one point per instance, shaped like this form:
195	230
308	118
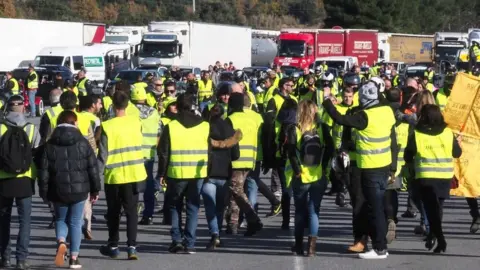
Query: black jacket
68	171
220	160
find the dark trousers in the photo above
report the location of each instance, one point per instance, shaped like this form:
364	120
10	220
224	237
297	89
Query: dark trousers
338	181
473	205
433	209
374	183
359	213
391	204
278	173
118	196
24	209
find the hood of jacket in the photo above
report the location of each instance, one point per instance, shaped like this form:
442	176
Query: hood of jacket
65	135
145	110
15	119
188	119
431	130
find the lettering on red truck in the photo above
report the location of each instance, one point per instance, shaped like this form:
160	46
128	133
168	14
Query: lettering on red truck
362	45
330	48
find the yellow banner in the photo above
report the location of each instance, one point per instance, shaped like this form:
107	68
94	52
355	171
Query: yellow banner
462	115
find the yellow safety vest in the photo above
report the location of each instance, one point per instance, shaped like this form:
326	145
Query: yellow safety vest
310	174
16	87
205	90
396	81
92	119
337	130
279	100
269	94
53	111
429	87
373	143
248	145
31	173
189	154
434	155
165	120
441	99
32	84
125	163
401	131
276	82
82	121
225	108
141	85
253	101
81	86
150	135
107	102
151	100
259	120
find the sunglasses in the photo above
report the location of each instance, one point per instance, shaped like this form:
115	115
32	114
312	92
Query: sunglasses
158	84
171	91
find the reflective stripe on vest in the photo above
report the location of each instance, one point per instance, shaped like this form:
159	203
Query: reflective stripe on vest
125	163
248	145
373	143
441	99
189	151
150	135
259	121
337	130
32	84
30	130
434	155
16	86
205	90
53	111
401	132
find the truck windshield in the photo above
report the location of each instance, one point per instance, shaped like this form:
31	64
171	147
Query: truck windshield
447	52
48	60
116	38
292	48
160	49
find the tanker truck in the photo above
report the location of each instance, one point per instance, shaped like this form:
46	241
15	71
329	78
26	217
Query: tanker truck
264	47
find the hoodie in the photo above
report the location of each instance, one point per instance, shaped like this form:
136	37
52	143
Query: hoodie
221	156
24	186
188	119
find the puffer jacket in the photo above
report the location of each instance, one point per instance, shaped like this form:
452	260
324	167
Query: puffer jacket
68	171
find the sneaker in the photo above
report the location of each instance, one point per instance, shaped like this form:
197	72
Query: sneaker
61	251
175	247
391	231
409	214
276	209
214	242
22	265
132	254
75	264
146	221
110	251
190	250
374	254
243	225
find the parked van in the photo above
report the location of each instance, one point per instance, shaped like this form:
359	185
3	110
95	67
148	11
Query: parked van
95	59
339	62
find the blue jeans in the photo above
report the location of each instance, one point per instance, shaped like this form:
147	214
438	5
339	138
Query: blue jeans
152	186
24	209
252	191
307	199
191	188
213	193
374	183
73	226
31	101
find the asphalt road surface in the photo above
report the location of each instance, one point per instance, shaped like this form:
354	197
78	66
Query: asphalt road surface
269	249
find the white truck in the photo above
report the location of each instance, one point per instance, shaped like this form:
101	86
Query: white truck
131	35
447	44
187	43
25	38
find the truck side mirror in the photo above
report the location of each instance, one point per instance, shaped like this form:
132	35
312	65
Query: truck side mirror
180	46
309	50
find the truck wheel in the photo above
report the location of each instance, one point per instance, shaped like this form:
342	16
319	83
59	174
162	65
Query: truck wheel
40	108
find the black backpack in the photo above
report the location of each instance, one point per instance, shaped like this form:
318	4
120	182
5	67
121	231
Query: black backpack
311	149
15	150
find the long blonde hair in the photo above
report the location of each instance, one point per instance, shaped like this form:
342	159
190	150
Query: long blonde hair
306	112
424	97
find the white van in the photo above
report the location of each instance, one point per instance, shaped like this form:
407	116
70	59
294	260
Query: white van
95	59
339	62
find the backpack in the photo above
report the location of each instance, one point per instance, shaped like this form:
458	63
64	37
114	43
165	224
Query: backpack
311	149
15	150
283	139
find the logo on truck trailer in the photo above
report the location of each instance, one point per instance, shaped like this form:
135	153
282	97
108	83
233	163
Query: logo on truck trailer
93	61
362	45
330	48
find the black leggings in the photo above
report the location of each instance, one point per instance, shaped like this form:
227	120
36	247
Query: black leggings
434	210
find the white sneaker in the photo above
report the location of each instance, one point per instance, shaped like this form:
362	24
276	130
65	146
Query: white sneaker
243	224
374	255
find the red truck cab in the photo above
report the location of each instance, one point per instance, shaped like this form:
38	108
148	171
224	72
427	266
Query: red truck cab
295	49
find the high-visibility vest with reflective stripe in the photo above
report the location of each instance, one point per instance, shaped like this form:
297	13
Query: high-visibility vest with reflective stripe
310	174
276	82
337	130
30	130
152	100
32	84
279	100
373	142
248	145
82	121
441	99
140	85
225	108
131	110
150	135
188	151
434	155
205	90
165	120
396	81
125	163
259	120
253	101
92	119
269	94
401	132
16	87
81	86
53	111
107	102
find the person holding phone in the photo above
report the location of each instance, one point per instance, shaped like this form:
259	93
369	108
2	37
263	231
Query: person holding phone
68	177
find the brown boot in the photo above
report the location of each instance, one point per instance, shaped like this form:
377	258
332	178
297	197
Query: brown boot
358	247
312	244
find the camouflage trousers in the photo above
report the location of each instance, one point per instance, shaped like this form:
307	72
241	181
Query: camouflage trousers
237	199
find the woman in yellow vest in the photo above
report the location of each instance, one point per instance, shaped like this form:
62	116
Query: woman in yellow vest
303	173
432	148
